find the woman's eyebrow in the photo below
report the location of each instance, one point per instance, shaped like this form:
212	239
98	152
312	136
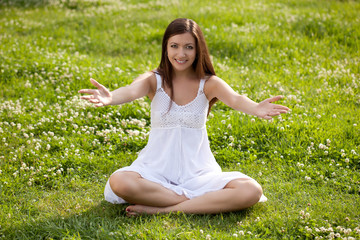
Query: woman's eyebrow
184	44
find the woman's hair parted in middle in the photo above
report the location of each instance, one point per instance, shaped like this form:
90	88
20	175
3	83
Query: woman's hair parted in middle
202	64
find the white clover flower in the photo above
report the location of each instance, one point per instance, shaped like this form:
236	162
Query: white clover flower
322	146
253	120
347	160
208	237
201	231
241	233
48	147
307	178
235	235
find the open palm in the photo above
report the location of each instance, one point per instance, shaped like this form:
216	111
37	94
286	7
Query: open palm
100	96
266	109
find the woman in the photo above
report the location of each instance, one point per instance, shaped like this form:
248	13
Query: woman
176	171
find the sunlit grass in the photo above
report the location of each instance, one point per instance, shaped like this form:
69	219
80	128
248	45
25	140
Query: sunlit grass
57	152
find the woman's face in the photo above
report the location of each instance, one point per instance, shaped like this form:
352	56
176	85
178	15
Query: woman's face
181	51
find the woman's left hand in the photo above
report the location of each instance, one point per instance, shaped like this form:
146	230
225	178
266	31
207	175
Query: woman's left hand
266	109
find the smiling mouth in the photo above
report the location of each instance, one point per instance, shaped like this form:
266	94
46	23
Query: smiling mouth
181	62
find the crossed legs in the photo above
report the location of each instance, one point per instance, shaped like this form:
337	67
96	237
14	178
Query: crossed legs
152	198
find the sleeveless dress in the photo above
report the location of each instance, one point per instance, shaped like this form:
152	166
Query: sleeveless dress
178	154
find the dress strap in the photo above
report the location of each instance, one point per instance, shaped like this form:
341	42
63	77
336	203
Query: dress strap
158	80
201	86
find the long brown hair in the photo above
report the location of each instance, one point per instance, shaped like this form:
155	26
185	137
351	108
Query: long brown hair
202	64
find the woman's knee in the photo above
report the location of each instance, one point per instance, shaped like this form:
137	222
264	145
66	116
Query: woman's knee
248	190
256	190
122	184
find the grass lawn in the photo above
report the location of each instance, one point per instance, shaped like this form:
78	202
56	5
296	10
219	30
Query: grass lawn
57	152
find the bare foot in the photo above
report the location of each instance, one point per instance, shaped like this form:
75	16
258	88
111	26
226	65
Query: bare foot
135	210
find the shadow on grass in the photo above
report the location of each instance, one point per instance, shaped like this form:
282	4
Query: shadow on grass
108	221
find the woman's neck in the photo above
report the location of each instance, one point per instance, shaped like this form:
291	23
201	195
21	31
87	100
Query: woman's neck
188	74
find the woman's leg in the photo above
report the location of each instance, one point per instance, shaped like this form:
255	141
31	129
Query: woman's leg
134	189
236	195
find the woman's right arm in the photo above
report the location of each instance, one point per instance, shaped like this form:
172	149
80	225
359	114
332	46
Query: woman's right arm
143	85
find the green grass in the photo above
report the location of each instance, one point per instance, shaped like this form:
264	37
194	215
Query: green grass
57	152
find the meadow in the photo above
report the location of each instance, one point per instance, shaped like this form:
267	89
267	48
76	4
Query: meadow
57	151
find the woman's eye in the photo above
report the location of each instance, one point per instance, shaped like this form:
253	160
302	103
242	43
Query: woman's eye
190	47
173	46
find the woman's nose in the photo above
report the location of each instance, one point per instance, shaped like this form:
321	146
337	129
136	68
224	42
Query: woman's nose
182	52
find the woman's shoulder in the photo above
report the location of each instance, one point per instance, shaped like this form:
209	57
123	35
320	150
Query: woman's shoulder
212	80
213	85
147	78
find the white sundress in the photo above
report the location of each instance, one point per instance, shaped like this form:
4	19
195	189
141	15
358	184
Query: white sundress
178	154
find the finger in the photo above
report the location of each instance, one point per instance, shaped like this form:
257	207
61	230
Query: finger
96	84
94	100
88	91
267	117
87	97
99	105
273	113
280	107
274	99
283	111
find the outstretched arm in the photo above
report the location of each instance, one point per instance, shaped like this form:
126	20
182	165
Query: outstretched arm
141	86
218	88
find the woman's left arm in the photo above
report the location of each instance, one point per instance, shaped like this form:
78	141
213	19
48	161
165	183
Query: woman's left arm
218	88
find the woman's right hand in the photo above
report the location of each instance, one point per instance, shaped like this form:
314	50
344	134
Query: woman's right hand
100	96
